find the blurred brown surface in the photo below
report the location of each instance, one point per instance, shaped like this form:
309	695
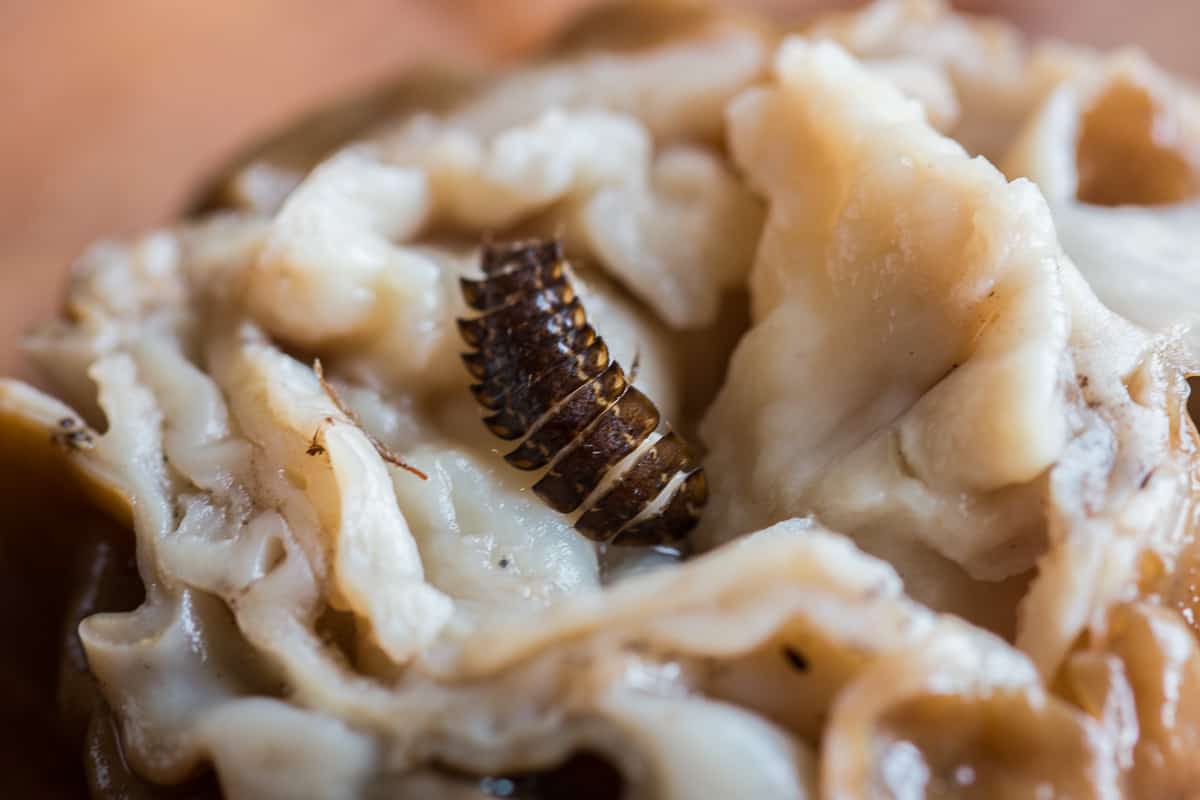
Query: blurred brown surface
114	110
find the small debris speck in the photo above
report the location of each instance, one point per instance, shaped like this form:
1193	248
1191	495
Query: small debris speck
503	563
796	659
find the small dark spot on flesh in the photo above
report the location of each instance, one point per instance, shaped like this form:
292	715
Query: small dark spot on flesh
66	422
503	563
1146	480
796	659
1084	380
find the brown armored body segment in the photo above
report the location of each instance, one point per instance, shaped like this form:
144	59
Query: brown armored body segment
501	390
507	287
507	255
482	333
507	363
547	376
563	424
615	434
525	403
637	488
528	309
672	524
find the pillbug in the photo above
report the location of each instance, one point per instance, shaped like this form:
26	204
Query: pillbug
546	378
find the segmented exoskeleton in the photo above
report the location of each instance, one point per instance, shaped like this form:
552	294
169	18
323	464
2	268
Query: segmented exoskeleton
547	378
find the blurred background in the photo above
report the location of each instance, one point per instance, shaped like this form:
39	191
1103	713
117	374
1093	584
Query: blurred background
115	111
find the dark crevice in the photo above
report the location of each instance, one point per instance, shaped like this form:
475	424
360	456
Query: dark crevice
584	775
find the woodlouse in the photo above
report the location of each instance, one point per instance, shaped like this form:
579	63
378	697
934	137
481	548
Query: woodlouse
546	376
